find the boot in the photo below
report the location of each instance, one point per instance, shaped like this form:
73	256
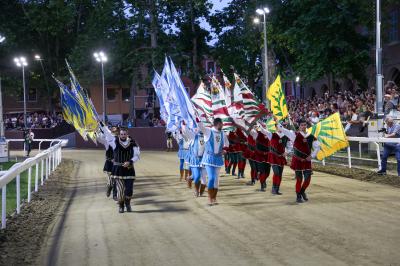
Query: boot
128	205
273	190
210	196
197	189
263	186
277	191
303	194
121	207
109	189
181	177
299	199
202	188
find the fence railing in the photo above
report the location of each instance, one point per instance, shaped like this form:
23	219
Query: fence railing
48	160
375	140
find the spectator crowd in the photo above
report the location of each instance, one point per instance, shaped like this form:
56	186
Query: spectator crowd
33	120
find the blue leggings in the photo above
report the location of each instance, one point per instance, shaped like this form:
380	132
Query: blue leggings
196	174
213	176
181	162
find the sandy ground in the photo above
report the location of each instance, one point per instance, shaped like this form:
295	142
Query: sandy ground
21	241
346	222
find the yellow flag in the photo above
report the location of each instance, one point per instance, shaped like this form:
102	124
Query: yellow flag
277	99
330	134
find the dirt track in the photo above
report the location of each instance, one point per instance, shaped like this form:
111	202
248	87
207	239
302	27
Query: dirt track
346	222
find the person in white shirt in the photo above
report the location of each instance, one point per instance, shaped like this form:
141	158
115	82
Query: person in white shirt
126	153
216	143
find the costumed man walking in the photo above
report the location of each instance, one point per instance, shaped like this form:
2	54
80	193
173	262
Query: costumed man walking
249	154
108	164
241	147
232	153
261	158
29	136
216	143
277	156
197	147
125	153
182	151
169	140
305	147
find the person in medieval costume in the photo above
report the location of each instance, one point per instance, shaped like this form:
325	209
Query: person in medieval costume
278	144
261	157
216	144
197	147
241	147
108	164
126	153
305	147
232	153
183	144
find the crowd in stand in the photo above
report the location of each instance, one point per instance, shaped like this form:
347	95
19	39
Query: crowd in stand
353	107
33	120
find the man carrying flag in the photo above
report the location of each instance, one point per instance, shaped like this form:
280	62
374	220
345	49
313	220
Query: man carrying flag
305	147
215	147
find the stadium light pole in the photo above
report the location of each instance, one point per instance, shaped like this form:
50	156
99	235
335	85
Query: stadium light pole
22	63
102	58
378	51
2	39
40	59
263	12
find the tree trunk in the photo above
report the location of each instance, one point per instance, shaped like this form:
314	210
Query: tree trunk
153	30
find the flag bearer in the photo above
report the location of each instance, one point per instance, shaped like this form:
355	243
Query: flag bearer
108	164
305	147
261	158
125	153
278	143
215	147
197	147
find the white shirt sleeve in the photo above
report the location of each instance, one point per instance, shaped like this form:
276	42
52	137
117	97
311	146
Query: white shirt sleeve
254	134
289	133
266	133
206	131
187	133
226	141
136	154
109	137
316	147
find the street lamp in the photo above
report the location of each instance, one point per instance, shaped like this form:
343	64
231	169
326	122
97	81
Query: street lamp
40	59
22	63
102	58
2	38
263	12
378	58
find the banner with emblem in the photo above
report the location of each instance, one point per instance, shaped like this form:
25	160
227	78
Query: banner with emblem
277	99
330	134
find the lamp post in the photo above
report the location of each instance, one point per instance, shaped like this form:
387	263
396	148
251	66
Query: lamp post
297	87
378	51
21	62
102	58
2	39
263	12
40	59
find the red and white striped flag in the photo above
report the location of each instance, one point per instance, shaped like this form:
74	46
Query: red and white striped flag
203	105
219	107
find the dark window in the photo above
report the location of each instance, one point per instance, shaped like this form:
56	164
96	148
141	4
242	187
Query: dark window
394	26
111	94
32	95
126	94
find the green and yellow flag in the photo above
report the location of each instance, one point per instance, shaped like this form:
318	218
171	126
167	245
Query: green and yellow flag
277	99
330	134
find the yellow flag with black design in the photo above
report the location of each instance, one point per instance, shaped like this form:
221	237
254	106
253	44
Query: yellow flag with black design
330	134
277	99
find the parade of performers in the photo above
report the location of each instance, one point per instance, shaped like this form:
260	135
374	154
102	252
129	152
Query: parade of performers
220	127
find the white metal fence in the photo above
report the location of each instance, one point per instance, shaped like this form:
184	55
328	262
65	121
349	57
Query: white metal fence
48	160
375	140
